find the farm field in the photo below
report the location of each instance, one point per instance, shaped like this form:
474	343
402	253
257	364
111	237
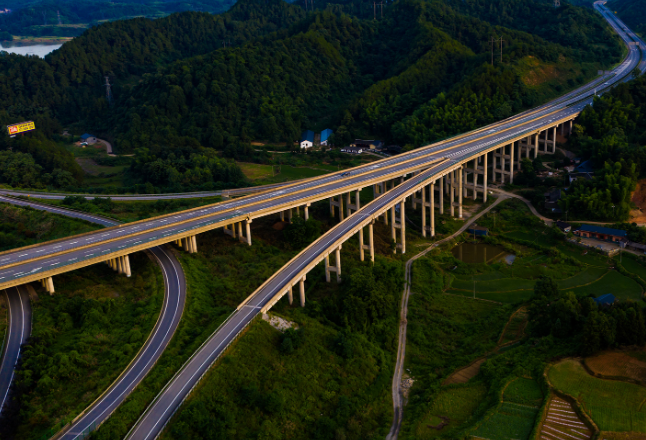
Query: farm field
453	405
612	404
631	264
619	364
510	422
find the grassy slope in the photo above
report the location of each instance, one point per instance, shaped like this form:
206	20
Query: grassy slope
20	226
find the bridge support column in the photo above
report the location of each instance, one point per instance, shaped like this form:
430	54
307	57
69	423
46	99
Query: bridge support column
48	284
338	204
370	247
402	225
306	210
393	225
512	164
301	285
290	295
569	131
431	205
336	268
231	229
484	180
452	195
554	140
424	205
243	238
535	145
125	260
352	206
441	194
460	193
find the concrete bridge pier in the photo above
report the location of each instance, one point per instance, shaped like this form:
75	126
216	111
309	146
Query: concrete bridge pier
460	183
231	229
339	204
290	295
352	206
306	211
337	265
243	238
431	205
48	284
301	285
484	179
371	243
401	225
452	193
440	191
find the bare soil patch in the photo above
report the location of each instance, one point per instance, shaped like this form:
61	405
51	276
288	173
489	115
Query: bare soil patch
639	198
617	364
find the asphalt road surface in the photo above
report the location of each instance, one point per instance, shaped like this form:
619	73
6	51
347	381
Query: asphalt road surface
172	308
18	330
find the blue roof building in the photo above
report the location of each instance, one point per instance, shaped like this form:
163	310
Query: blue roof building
86	137
585	167
325	135
307	139
601	233
605	300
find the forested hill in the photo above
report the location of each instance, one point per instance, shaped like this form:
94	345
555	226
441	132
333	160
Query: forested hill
266	70
632	12
41	17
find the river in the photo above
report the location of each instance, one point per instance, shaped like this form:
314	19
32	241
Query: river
39	49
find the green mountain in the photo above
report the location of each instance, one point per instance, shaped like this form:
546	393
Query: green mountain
70	18
632	12
266	70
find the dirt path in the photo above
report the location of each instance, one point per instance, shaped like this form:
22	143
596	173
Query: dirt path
397	393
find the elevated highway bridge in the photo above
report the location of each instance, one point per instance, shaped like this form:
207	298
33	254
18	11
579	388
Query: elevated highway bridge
454	168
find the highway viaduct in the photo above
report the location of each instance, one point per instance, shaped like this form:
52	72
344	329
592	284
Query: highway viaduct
455	168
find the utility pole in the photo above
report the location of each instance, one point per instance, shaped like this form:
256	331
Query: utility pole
374	10
44	18
59	18
108	90
492	42
501	40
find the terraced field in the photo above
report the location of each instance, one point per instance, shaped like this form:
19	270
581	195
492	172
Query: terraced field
612	404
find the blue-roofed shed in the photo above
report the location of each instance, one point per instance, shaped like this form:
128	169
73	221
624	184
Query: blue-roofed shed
605	300
325	135
585	167
307	139
601	233
89	138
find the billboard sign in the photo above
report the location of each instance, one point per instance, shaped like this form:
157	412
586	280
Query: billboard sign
20	128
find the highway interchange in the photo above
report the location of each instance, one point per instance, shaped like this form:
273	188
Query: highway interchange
162	333
19	263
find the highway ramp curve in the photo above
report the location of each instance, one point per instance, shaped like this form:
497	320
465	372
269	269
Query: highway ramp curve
172	308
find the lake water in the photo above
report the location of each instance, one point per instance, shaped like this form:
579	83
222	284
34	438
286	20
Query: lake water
39	49
481	253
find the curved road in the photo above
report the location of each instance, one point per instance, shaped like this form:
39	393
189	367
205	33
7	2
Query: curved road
18	330
173	306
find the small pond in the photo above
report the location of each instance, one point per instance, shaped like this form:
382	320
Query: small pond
481	253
